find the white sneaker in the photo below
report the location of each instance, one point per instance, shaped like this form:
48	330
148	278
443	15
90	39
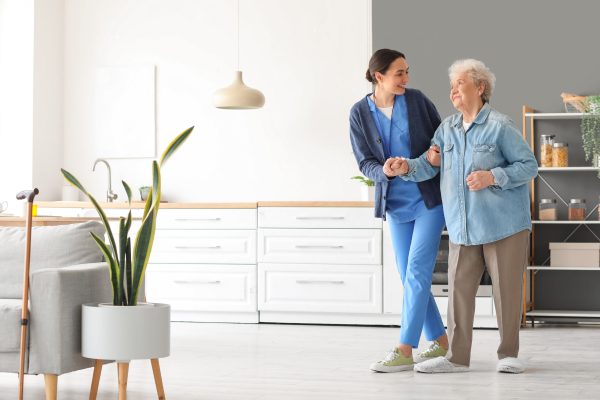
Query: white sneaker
510	365
439	365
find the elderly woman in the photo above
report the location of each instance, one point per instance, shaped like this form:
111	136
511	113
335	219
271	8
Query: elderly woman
485	168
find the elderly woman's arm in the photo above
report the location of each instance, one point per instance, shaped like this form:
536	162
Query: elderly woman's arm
522	166
420	169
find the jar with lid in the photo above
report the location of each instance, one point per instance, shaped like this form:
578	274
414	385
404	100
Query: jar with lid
577	210
560	154
547	210
546	142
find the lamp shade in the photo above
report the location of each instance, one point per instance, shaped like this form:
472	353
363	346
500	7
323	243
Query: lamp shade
238	96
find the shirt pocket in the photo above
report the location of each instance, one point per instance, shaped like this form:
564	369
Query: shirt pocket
447	156
485	157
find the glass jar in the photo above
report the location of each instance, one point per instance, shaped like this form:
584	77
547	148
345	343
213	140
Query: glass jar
577	210
547	210
560	154
546	142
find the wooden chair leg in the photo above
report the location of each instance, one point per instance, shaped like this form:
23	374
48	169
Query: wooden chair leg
123	372
160	390
96	379
51	383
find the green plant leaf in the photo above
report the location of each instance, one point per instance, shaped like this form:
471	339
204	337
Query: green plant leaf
128	276
145	236
122	249
175	143
112	266
127	190
72	180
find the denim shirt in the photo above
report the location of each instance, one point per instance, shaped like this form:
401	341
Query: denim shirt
492	143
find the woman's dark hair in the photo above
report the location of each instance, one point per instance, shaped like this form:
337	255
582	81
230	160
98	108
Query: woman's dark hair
380	62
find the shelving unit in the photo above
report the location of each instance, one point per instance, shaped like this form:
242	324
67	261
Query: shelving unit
547	290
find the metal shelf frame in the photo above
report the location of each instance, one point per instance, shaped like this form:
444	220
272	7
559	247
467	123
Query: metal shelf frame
529	311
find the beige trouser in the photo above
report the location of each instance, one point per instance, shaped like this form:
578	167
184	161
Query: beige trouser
505	261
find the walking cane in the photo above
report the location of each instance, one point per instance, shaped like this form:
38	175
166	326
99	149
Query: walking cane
29	195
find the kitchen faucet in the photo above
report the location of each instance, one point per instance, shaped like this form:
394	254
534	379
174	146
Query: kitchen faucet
110	195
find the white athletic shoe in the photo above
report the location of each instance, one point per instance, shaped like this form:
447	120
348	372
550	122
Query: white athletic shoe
510	365
439	365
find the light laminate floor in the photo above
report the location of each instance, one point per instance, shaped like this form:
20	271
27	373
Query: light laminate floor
231	361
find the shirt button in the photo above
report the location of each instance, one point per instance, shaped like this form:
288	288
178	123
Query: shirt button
384	197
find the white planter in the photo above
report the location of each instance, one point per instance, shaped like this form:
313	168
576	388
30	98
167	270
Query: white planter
367	193
125	333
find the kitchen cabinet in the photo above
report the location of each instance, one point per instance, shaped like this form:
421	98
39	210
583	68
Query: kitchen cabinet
319	263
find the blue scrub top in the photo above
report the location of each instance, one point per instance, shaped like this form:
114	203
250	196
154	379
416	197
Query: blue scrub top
404	200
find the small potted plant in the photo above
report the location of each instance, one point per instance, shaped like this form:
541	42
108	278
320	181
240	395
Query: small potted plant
368	190
144	191
590	130
127	330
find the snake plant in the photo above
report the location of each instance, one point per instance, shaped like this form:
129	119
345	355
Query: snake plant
127	269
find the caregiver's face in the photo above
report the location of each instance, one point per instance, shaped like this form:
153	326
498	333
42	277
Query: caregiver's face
464	94
395	78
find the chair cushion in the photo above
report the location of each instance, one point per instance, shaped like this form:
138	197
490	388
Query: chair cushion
10	325
51	247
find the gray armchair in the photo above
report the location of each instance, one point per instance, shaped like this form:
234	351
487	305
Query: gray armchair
67	270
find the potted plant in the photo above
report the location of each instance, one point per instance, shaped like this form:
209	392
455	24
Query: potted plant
368	190
144	190
127	330
590	130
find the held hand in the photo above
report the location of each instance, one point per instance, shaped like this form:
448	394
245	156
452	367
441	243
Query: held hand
400	166
395	166
433	156
478	180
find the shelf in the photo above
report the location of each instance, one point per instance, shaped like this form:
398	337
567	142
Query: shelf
565	169
554	115
564	313
547	268
567	222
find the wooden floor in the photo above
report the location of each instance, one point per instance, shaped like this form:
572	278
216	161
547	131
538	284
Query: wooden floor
230	361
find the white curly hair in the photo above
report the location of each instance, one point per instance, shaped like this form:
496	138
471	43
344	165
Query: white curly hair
478	72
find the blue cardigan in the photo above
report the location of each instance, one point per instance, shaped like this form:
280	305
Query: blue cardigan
423	120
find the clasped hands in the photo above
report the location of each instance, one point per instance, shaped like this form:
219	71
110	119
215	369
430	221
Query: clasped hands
477	180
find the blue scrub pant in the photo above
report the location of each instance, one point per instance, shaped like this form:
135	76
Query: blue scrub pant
416	245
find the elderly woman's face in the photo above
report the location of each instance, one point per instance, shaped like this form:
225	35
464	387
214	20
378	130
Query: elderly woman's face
464	94
395	78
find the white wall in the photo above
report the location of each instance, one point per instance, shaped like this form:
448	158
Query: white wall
307	56
47	151
16	99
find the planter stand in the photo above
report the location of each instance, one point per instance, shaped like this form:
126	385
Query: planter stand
99	322
123	368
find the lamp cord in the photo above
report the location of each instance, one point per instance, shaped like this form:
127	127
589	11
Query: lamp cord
238	35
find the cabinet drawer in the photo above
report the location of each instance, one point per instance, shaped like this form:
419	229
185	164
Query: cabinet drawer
206	219
317	217
325	246
202	287
204	246
319	288
483	305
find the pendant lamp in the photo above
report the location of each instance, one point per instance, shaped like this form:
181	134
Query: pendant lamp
238	96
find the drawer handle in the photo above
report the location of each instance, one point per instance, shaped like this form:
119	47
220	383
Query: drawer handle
198	219
302	246
309	218
200	282
197	247
313	282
